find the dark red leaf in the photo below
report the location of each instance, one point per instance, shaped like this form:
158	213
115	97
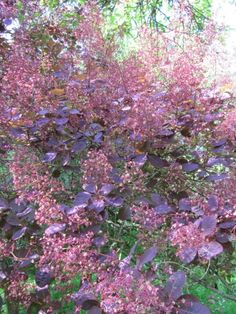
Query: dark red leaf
13	220
107	188
19	234
187	255
157	162
61	121
115	201
43	277
79	146
184	205
174	285
190	166
213	203
216	177
210	250
157	199
82	199
208	224
140	159
3	205
124	213
227	224
218	143
222	237
90	188
163	209
193	308
147	257
48	157
95	310
97	205
55	228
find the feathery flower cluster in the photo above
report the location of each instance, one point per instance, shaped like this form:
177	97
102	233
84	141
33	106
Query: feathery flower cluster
18	290
227	128
146	217
34	184
96	169
68	254
24	88
128	294
133	176
185	236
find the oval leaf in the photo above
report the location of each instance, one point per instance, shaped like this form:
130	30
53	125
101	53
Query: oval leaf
190	166
49	157
19	234
55	228
163	209
209	250
187	255
193	308
147	257
208	224
82	199
175	284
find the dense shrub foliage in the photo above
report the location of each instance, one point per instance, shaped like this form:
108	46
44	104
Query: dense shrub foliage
117	170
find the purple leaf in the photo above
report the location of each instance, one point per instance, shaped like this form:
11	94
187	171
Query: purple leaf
140	159
219	143
72	210
174	285
79	146
227	225
3	204
61	121
84	297
82	199
185	205
213	203
17	132
216	177
216	161
187	255
124	213
48	157
157	162
193	308
99	241
13	220
209	250
55	228
190	166
163	209
208	224
66	159
95	310
115	201
43	277
90	188
43	112
107	188
157	199
166	133
97	205
98	138
147	257
19	234
26	212
222	237
74	111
